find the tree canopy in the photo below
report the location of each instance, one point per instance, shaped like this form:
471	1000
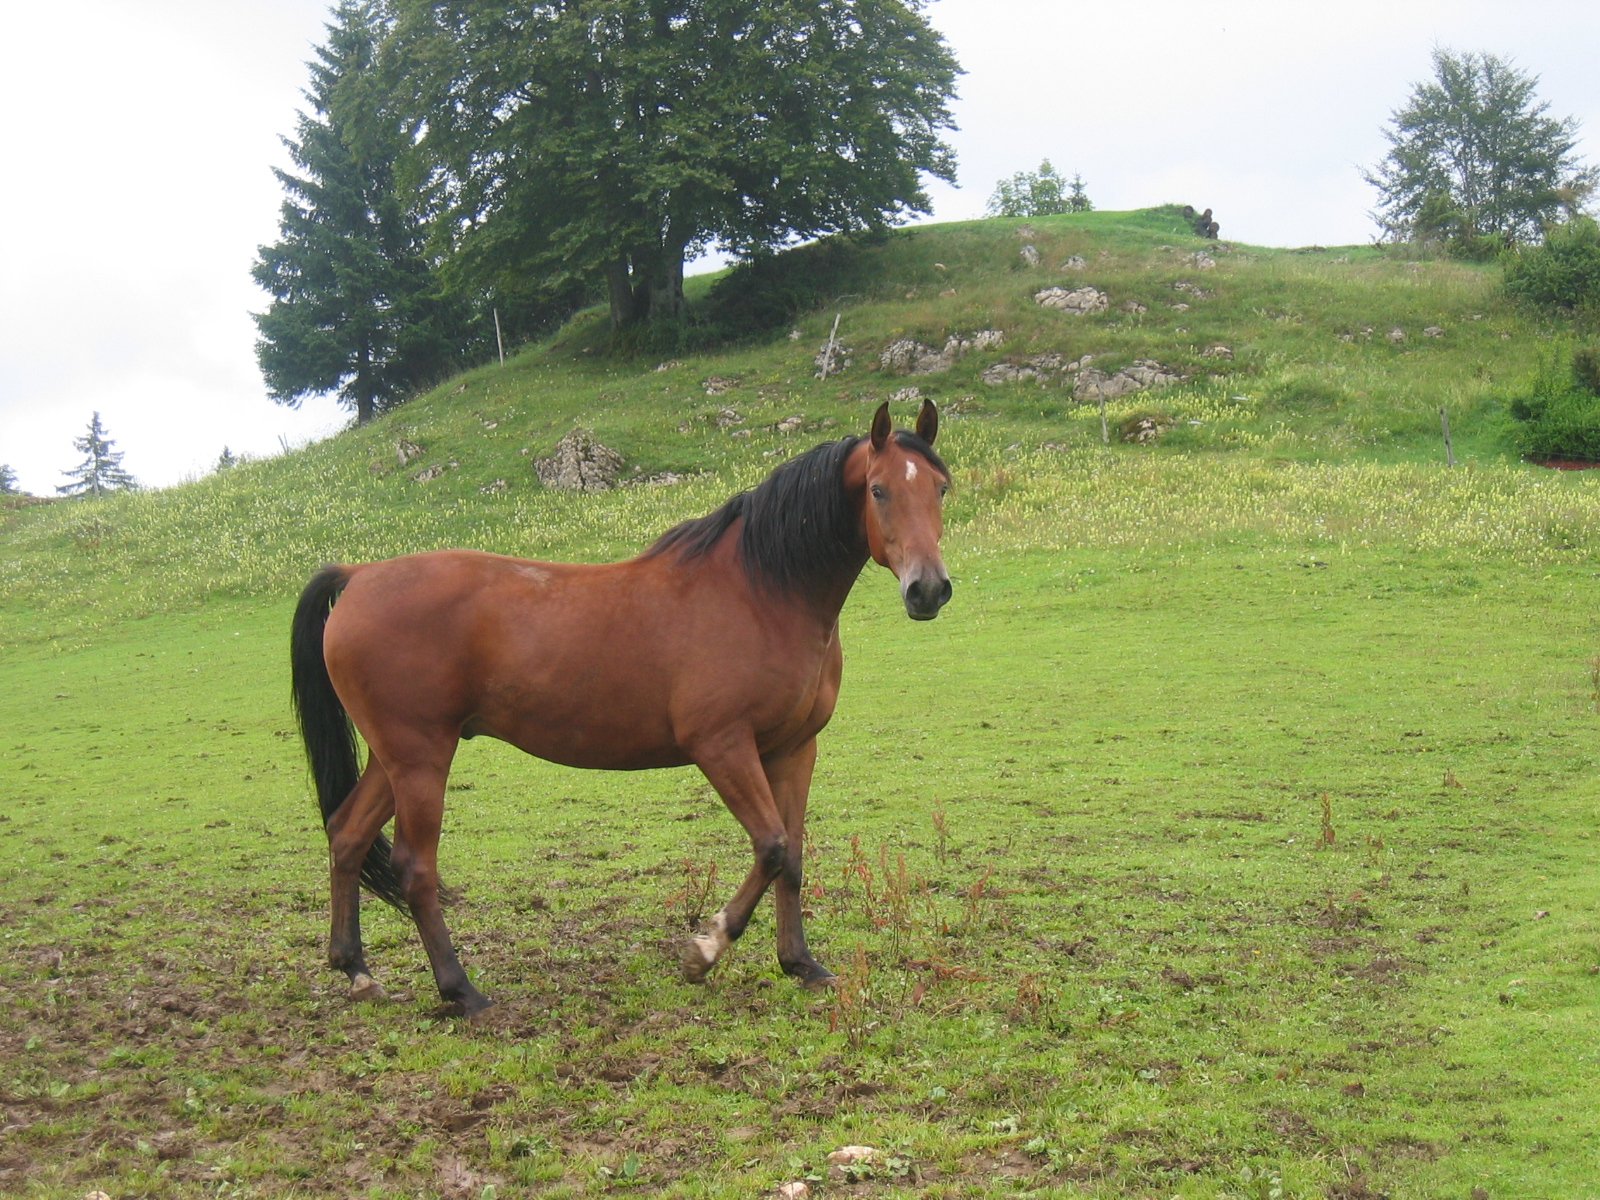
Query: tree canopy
357	306
101	470
1038	193
1474	155
580	142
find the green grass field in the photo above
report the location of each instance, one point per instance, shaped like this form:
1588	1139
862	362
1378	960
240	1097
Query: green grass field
1232	833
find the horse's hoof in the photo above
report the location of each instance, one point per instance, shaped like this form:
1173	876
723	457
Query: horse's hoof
365	989
487	1016
692	958
812	976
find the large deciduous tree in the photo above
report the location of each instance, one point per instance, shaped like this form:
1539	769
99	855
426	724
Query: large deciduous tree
1473	154
581	141
357	305
101	470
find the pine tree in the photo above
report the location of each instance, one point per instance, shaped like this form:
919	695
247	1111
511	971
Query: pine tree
101	471
1078	199
227	460
8	480
357	306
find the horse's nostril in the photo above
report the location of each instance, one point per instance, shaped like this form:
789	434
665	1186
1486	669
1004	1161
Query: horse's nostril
925	596
945	592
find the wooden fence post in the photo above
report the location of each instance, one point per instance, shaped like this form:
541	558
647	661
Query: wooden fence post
827	354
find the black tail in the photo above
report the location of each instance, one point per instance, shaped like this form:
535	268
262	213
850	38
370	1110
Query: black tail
324	725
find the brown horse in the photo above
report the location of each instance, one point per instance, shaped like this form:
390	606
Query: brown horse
718	646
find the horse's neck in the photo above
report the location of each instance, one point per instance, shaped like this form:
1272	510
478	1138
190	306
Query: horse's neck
825	598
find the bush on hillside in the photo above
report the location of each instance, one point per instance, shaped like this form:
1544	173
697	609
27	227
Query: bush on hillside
768	291
1586	368
1561	274
1560	415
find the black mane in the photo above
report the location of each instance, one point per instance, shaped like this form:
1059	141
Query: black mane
799	525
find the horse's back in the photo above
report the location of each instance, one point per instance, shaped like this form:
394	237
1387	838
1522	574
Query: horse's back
617	665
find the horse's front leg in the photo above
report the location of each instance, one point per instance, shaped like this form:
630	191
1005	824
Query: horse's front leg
790	779
734	768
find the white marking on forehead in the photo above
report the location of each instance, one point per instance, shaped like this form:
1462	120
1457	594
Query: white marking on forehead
911	469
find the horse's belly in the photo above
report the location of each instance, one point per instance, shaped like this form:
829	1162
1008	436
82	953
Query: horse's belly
598	736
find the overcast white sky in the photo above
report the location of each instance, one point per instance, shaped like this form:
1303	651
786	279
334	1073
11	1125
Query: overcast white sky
139	135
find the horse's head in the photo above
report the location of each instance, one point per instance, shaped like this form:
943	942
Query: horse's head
903	485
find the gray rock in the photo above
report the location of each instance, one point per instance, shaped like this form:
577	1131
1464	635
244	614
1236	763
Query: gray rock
908	357
843	358
1140	376
1145	429
1077	300
580	464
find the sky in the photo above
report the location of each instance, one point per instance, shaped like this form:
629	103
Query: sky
139	139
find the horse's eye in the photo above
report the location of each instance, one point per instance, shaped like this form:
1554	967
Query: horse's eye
877	491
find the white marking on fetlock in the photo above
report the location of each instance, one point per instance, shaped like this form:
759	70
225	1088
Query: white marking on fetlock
713	941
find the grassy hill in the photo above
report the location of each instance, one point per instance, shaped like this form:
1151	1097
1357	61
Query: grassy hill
1231	833
1312	378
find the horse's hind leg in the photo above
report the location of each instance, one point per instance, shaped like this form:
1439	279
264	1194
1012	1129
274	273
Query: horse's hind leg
419	815
352	829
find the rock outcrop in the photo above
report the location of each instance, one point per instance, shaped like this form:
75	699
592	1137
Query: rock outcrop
1075	300
580	464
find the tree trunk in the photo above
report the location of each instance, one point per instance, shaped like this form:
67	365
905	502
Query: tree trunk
619	291
366	409
664	289
650	289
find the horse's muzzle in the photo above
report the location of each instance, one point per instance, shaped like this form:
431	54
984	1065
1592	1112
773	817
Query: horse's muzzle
926	595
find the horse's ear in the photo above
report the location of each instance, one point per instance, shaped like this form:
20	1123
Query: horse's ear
881	426
927	421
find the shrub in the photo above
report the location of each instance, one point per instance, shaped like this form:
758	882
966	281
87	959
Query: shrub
1563	273
767	291
1586	369
1559	417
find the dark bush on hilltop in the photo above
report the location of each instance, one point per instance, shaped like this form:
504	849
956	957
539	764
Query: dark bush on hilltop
1561	274
768	291
1560	415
